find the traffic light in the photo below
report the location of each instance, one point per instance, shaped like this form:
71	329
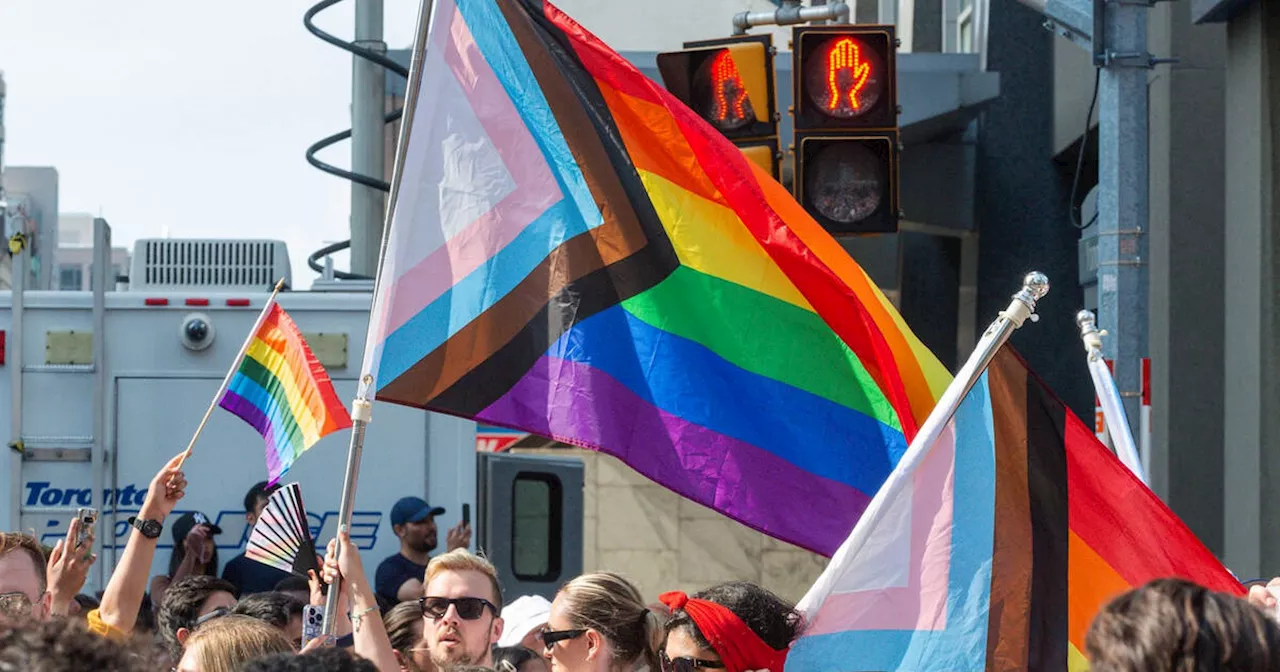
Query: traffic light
730	83
846	136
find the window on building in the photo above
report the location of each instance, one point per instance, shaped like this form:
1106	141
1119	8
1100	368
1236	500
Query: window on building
70	277
964	26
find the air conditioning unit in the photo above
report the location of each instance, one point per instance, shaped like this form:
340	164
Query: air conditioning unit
161	264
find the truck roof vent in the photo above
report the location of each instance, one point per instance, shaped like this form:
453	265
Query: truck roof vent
219	265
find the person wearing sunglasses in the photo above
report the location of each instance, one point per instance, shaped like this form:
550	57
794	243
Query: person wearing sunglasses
599	623
461	608
22	577
731	627
186	603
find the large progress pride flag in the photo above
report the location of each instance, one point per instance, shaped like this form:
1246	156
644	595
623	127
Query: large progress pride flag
576	254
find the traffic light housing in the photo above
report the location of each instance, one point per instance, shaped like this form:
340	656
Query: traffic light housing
846	138
729	82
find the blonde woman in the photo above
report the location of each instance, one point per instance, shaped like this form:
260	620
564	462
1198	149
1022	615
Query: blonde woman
599	623
226	644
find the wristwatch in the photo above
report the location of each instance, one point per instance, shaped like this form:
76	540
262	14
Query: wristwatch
149	528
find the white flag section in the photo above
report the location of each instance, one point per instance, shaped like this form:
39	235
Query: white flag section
915	595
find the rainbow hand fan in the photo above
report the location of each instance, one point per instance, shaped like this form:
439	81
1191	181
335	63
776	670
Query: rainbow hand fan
281	538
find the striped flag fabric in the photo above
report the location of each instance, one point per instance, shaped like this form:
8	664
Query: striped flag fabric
283	391
576	254
1013	531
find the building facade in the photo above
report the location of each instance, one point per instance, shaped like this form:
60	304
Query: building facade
74	257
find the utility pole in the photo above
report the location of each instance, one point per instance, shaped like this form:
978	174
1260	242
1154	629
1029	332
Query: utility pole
368	103
1115	33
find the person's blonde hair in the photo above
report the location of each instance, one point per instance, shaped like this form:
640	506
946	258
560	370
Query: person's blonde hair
405	630
225	644
462	560
612	606
12	542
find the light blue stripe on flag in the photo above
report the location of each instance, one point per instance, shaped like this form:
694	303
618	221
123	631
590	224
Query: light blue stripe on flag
962	644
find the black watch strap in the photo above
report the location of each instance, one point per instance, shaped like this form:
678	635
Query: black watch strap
150	529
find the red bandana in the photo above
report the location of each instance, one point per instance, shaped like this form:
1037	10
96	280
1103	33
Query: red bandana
739	646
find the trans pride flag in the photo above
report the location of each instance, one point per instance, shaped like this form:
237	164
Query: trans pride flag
576	254
283	391
1010	535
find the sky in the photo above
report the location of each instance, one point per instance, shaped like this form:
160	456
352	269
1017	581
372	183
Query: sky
190	119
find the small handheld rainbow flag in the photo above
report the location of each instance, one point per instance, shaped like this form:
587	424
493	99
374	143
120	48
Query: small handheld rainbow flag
281	389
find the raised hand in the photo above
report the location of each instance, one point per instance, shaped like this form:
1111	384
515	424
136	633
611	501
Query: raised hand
168	486
68	567
459	536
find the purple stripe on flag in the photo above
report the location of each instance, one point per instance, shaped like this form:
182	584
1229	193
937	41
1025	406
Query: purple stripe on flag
254	416
599	413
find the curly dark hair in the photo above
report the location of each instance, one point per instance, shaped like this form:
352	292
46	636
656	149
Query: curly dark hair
1172	625
319	660
181	607
64	645
775	620
274	608
510	658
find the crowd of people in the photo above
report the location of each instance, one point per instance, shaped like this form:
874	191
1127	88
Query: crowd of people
448	613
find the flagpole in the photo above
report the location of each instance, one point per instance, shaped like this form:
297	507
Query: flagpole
1034	287
1108	395
231	372
362	405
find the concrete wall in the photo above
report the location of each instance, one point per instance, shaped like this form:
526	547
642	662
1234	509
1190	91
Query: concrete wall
1186	329
662	541
1251	402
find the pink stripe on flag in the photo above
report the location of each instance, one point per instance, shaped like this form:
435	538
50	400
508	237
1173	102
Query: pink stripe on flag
922	603
535	190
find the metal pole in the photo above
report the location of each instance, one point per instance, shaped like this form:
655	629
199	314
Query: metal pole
99	273
791	13
1123	212
18	281
368	103
1034	287
362	406
1108	396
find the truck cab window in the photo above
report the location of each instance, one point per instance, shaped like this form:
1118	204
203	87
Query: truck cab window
535	530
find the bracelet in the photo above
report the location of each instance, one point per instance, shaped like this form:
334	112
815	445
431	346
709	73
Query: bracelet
355	618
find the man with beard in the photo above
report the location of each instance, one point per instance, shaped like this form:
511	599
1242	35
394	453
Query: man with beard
399	577
461	607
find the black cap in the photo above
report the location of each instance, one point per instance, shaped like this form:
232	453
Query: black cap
182	527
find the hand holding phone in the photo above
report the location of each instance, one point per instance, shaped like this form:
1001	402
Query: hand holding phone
312	622
88	517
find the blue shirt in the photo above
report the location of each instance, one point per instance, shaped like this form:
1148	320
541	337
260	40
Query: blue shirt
392	573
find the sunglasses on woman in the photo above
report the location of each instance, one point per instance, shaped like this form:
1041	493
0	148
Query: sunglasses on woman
469	608
686	663
550	637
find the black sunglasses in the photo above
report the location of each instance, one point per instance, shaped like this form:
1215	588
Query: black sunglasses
550	637
686	663
469	608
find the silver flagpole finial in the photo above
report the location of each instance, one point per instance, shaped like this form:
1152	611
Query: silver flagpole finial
1090	333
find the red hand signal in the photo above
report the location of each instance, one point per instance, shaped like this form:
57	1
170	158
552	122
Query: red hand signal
846	72
730	94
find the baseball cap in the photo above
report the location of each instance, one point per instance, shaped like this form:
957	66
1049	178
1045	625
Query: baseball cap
182	527
526	614
412	510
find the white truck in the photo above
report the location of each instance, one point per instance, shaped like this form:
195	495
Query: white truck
105	386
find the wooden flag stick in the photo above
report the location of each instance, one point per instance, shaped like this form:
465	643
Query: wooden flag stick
235	366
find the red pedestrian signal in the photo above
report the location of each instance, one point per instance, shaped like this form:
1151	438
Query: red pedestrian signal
730	108
846	127
729	82
845	77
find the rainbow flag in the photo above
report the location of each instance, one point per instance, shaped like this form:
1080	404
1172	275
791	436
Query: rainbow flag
1006	540
284	393
576	254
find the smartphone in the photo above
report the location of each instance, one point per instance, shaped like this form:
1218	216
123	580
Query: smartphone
312	622
466	514
88	517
